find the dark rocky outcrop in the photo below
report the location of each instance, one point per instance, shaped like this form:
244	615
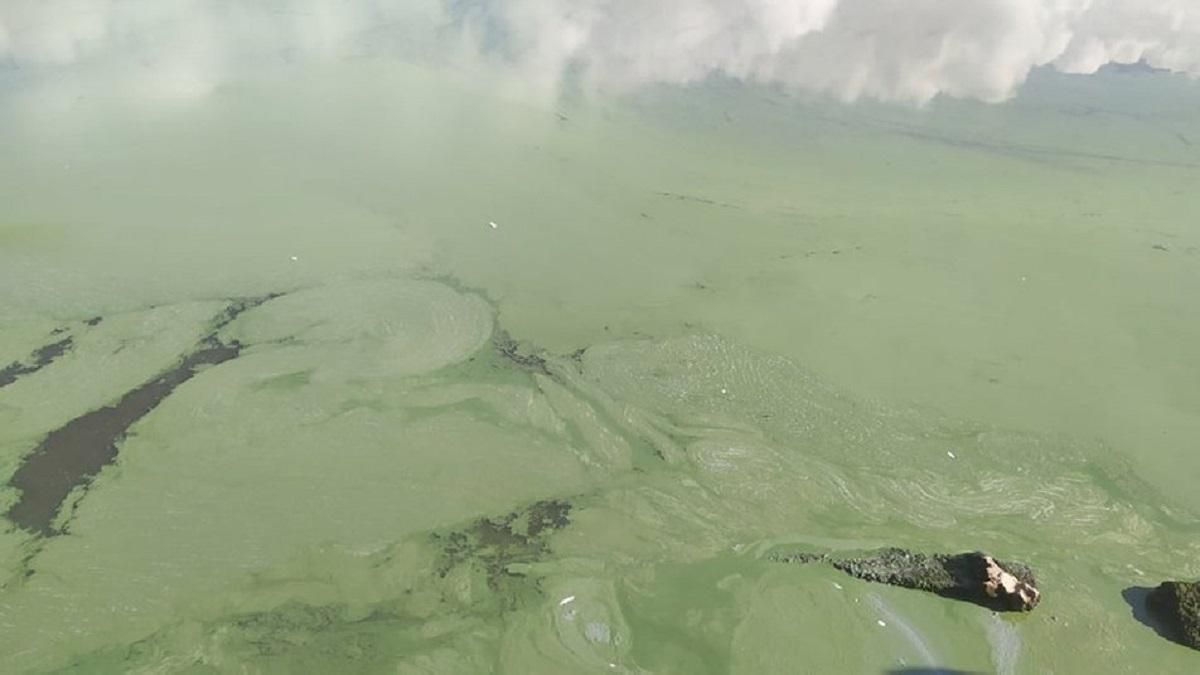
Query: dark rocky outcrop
1177	605
974	577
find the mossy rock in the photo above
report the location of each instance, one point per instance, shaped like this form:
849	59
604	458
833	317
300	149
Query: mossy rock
973	577
1177	604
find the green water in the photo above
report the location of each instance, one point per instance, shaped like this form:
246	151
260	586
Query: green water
746	321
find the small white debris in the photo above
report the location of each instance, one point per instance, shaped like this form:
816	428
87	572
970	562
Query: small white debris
882	623
950	455
295	258
493	224
724	390
837	585
568	599
1024	278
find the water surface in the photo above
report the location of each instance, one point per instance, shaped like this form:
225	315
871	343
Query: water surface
536	387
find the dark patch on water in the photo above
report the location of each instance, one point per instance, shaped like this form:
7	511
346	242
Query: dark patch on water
696	200
43	356
798	557
72	455
1034	153
286	628
39	359
289	638
497	543
512	350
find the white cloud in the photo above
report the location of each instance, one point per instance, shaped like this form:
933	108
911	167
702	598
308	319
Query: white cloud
887	49
172	48
909	50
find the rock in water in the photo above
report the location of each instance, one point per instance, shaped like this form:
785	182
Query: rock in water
974	577
1177	604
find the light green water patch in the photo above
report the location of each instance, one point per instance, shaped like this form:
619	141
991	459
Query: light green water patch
29	237
367	329
920	257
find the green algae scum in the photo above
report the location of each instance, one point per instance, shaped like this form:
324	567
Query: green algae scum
383	368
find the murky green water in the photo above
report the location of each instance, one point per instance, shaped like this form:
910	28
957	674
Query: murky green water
547	383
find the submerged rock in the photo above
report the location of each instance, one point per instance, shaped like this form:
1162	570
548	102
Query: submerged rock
974	577
1177	605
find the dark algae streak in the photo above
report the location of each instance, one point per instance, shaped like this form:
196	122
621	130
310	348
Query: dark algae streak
73	454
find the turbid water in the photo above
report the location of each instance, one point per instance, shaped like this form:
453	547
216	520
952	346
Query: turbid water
534	388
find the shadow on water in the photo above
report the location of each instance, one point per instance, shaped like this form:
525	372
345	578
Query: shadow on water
1135	597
